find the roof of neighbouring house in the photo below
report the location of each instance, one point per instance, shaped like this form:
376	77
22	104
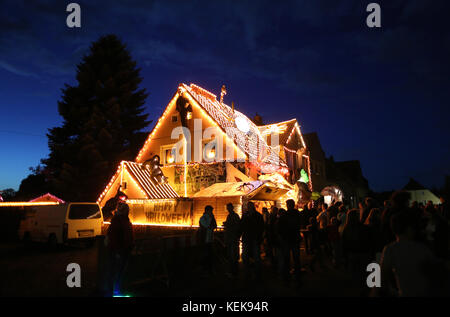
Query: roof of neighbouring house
315	148
48	197
413	185
285	130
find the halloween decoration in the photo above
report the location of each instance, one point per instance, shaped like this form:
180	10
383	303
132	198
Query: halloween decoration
303	193
154	166
183	108
112	204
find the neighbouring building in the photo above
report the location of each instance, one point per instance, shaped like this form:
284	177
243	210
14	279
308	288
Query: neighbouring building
48	198
318	161
420	194
348	177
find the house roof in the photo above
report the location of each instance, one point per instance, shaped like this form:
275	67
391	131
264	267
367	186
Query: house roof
259	190
314	146
285	129
48	197
413	185
251	143
152	189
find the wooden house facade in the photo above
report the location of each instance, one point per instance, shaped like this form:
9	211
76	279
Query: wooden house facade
201	142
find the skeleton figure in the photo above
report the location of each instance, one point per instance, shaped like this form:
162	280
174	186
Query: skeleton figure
183	107
153	165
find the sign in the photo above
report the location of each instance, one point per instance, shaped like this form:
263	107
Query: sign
164	211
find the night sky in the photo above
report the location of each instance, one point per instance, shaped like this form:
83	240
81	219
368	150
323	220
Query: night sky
377	95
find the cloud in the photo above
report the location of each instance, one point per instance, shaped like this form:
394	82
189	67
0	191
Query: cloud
15	70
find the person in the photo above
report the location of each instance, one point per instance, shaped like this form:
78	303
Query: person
437	231
207	226
290	224
408	267
335	241
266	219
323	219
271	237
444	209
316	246
373	223
356	246
399	201
252	228
119	242
369	204
334	209
341	217
305	214
232	229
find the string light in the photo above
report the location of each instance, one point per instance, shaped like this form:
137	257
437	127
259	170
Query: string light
27	203
113	178
158	124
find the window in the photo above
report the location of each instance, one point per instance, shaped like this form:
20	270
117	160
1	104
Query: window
169	154
84	211
174	118
209	150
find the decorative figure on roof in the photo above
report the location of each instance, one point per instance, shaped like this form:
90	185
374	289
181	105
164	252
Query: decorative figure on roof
154	166
258	120
303	176
183	108
223	92
246	187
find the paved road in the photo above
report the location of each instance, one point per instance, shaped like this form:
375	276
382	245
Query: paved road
40	271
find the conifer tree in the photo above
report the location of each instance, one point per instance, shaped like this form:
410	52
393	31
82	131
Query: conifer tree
103	115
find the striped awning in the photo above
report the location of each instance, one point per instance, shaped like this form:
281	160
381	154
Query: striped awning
152	189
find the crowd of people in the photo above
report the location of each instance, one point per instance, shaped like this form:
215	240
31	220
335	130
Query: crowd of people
409	243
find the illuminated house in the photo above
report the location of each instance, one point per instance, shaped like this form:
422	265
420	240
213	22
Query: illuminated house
199	141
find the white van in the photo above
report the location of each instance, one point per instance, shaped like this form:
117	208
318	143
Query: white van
61	223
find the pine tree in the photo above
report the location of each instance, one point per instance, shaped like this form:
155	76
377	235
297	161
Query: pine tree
102	119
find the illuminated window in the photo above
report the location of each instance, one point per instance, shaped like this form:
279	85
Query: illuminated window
209	150
168	154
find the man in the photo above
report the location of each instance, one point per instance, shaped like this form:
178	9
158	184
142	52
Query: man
207	226
119	241
411	264
252	227
232	228
290	224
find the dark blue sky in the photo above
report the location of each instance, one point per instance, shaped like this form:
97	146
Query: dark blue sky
377	95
